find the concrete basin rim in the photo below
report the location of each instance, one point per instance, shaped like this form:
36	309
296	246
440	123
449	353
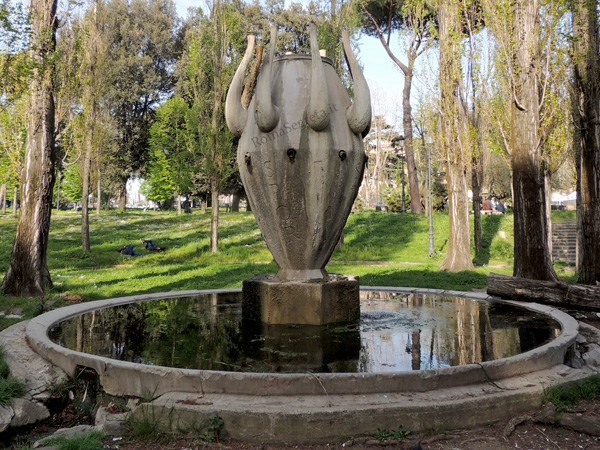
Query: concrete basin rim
37	334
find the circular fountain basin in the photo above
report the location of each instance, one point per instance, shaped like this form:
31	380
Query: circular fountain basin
325	395
396	332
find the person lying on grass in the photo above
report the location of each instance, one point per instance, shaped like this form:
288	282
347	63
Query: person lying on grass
150	245
128	250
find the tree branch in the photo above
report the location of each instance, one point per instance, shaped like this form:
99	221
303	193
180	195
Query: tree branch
400	64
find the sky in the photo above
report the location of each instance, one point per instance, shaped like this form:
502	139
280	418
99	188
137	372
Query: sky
383	76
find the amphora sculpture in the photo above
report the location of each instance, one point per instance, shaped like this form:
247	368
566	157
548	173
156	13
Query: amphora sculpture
301	161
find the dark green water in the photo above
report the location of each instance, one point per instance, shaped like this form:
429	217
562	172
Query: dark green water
396	332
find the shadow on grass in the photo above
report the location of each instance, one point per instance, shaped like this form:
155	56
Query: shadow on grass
378	236
189	276
426	278
490	225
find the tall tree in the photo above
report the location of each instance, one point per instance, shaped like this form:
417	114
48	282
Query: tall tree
28	272
455	137
174	146
531	85
532	254
142	46
414	19
586	45
292	22
215	44
471	13
91	77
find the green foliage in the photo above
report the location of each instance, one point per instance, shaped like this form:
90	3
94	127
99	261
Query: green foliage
71	184
214	48
394	200
398	434
87	441
9	387
292	21
566	395
172	145
12	141
146	427
61	390
213	428
143	42
4	370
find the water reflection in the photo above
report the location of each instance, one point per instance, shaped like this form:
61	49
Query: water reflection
397	332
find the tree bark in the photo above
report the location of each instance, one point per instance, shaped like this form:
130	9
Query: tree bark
413	178
556	293
532	255
587	119
99	195
3	198
123	195
214	218
15	201
476	178
85	193
548	193
28	272
235	202
89	102
458	255
216	115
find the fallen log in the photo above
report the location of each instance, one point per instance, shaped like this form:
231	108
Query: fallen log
555	293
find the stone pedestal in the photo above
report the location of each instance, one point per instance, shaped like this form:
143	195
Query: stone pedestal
269	300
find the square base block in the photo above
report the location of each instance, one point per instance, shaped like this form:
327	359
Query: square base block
269	300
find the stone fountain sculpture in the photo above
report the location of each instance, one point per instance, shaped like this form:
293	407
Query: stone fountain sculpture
301	160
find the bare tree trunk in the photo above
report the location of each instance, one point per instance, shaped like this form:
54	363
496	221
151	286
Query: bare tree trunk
408	71
89	103
178	203
85	193
476	178
216	113
214	218
548	192
123	196
235	202
99	199
15	200
458	255
413	178
477	159
532	255
587	119
3	198
28	272
58	180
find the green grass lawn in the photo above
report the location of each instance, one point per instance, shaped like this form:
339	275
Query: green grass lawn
383	249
